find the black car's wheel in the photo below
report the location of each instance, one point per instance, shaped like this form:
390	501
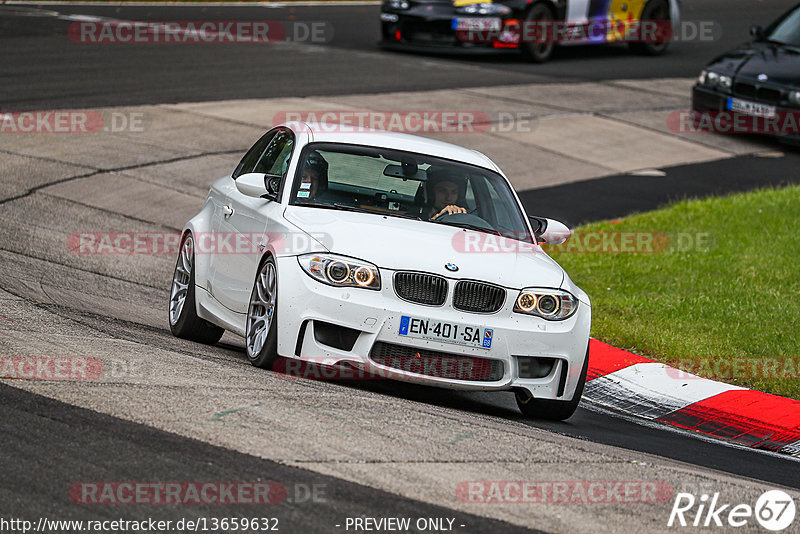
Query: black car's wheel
553	410
539	16
183	319
262	317
654	43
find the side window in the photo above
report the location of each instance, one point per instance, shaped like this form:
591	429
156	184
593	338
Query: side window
248	163
275	159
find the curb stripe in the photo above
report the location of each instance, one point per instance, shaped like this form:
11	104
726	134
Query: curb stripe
638	386
747	417
651	389
606	359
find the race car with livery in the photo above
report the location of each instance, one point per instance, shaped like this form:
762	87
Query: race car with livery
534	27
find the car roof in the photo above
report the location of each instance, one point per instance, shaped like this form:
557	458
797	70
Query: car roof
354	135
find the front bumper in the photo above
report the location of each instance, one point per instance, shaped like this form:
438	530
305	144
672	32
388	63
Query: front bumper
418	30
305	304
706	100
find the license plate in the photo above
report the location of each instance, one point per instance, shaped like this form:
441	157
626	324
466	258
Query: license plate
476	24
751	108
446	332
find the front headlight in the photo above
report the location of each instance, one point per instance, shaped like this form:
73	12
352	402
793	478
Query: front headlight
794	98
551	304
713	79
484	9
702	78
398	5
340	271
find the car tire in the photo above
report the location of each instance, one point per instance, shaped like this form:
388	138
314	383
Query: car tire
654	10
537	52
183	319
261	333
553	410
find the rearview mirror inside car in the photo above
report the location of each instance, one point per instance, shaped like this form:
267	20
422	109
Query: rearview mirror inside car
405	171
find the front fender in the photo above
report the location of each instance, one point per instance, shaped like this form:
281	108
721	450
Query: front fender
199	224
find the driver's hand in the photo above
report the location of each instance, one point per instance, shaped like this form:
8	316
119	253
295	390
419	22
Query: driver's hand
449	210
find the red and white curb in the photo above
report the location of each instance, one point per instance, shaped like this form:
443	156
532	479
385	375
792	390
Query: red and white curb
626	382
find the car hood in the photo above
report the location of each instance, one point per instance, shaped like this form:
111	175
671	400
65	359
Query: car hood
781	64
405	244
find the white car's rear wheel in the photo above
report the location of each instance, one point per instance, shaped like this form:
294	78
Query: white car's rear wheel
553	410
183	319
261	334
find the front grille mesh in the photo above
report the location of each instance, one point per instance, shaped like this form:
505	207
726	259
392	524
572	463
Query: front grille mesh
762	94
435	363
478	297
421	288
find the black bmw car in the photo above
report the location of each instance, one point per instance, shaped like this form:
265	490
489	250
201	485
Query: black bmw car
754	88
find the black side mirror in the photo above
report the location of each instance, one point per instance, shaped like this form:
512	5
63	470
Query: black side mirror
757	32
538	224
273	184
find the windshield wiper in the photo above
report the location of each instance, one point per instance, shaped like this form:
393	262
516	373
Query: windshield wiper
341	207
345	207
405	216
469	226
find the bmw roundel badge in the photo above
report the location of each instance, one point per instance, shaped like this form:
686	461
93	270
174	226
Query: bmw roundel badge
451	267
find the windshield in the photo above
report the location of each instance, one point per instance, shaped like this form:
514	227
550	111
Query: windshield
409	185
786	30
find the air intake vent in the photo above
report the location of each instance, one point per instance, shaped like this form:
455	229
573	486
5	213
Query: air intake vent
435	363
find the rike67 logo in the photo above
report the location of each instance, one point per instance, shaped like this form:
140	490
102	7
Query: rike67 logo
774	510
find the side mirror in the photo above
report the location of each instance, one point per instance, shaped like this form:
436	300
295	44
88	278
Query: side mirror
757	32
550	231
259	185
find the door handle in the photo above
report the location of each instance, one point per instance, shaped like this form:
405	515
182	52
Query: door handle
227	211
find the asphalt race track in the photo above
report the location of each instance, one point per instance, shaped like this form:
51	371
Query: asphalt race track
43	70
169	410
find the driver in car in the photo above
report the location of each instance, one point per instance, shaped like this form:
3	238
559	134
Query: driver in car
314	179
446	190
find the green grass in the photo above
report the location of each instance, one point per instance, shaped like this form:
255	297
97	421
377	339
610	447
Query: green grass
734	299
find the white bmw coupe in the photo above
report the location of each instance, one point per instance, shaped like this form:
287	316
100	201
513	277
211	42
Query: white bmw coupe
396	255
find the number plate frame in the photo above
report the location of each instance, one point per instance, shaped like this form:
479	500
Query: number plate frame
467	335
